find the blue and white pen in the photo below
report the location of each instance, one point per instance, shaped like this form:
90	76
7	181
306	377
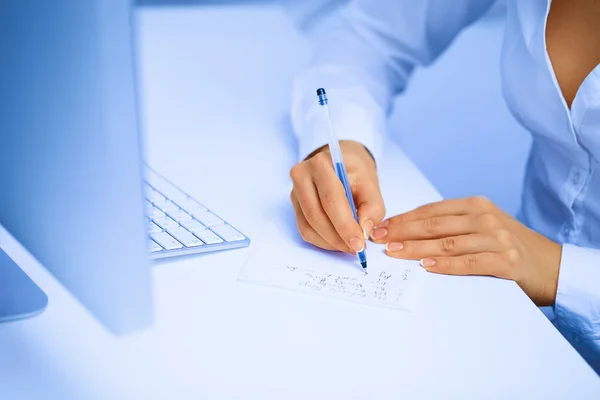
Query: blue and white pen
340	169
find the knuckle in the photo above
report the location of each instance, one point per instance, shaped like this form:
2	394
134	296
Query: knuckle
512	257
504	237
481	202
470	262
447	244
431	225
297	171
489	221
330	199
321	161
313	214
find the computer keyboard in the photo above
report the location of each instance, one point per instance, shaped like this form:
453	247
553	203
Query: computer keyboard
179	224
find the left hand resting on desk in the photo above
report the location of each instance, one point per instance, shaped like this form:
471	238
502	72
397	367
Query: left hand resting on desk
472	236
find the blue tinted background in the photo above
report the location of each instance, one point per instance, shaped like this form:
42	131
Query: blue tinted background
472	146
452	120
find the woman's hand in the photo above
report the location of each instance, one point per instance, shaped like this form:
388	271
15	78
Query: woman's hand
323	213
472	236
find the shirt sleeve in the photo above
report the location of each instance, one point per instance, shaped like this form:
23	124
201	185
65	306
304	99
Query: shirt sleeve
577	304
364	57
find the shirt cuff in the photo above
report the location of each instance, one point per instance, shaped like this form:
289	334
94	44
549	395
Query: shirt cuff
577	304
350	122
355	107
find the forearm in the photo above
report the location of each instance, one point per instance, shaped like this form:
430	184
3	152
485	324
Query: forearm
365	57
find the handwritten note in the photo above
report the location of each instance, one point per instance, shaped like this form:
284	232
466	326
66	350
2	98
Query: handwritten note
281	259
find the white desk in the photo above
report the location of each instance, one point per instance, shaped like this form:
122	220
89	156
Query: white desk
216	92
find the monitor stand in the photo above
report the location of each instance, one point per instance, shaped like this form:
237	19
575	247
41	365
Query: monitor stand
19	296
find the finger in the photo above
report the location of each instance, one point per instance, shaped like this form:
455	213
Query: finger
448	246
335	203
369	206
315	215
469	205
490	264
429	228
306	231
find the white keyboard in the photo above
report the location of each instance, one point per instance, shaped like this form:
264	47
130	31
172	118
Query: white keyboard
179	224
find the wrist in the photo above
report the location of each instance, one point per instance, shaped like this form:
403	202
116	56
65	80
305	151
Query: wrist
348	147
552	263
355	147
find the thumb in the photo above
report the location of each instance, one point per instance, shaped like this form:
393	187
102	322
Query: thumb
369	207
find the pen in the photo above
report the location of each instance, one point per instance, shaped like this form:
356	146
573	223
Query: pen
340	169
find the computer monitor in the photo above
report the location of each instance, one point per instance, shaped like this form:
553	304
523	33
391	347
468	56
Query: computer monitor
70	151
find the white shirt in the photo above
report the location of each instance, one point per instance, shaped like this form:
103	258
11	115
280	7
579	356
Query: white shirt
366	58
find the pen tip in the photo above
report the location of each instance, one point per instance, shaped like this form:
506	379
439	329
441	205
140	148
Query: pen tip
364	266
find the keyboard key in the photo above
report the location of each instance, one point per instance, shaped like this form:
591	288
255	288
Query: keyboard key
166	205
153	228
158	182
192	225
192	207
147	188
154	196
149	207
148	191
166	241
176	195
196	209
209	219
155	213
153	247
166	188
165	222
178	223
172	192
208	237
179	215
228	233
184	236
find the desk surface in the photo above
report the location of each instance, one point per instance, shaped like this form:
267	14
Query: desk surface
216	338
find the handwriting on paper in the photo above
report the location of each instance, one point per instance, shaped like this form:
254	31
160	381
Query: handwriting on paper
284	261
384	287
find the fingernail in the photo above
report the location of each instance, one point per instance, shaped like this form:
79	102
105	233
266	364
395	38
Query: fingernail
356	244
394	246
379	233
427	262
367	229
382	224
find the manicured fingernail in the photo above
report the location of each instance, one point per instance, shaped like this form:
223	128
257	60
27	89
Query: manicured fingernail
379	233
427	262
367	229
356	244
394	246
383	224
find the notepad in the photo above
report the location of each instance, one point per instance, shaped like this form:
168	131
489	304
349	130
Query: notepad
281	259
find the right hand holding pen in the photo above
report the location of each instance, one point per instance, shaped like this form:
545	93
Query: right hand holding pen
323	213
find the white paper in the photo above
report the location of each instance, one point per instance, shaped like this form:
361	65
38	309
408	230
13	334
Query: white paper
280	258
